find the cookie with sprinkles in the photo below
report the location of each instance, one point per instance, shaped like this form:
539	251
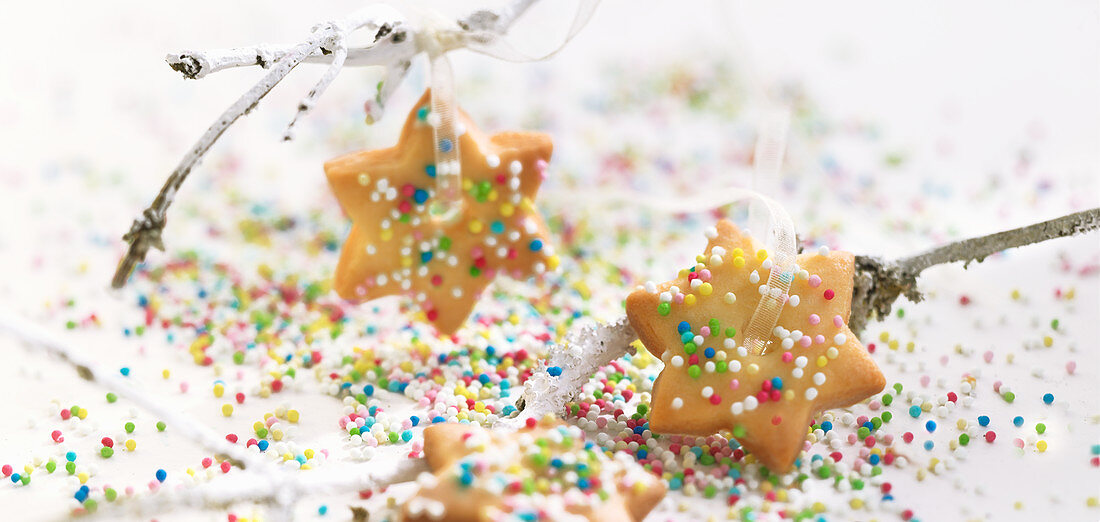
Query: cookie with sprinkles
542	471
397	247
711	382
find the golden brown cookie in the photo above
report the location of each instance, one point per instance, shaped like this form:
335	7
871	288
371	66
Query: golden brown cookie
695	324
544	471
395	247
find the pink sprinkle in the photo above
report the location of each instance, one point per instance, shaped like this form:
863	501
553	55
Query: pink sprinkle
805	341
678	298
838	321
988	356
997	386
815	280
735	384
1071	367
705	331
819	339
184	387
887	439
704	274
874	405
924	380
852	438
788	357
1018	442
814	319
129	491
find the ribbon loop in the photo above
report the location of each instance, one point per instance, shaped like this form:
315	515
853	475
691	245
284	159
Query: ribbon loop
436	36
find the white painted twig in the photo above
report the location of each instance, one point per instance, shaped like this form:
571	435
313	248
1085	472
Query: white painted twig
394	46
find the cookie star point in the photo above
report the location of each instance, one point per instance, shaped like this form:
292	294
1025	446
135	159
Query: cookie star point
395	247
711	383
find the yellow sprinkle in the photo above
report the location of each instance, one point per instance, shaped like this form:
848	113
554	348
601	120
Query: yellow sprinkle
832	352
227	409
386	234
761	254
1018	505
292	416
752	368
82	477
166	373
893	344
476	226
219	390
705	289
739	262
910	347
927	406
131	444
493	196
1048	341
1041	445
883	337
27	468
552	262
191	471
1092	502
364	179
818	507
507	210
83	414
268	415
308	453
961	424
257	425
788	394
689	299
822	361
855	503
277	434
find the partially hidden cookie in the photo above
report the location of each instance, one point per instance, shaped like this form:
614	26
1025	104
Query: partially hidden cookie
395	247
543	471
695	324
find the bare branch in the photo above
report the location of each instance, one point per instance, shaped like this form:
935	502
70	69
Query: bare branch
393	47
878	283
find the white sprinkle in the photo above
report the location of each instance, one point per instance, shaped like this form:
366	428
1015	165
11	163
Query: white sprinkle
819	378
794	300
751	403
707	392
840	339
711	232
811	394
492	160
677	361
754	277
737	408
797	373
801	361
823	251
515	167
677	403
666	297
735	366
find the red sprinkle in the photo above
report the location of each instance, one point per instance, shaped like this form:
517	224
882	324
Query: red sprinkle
108	442
990	436
829	294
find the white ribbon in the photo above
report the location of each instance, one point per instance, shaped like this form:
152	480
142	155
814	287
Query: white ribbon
438	35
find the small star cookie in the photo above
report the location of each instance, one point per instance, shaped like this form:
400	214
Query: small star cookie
710	382
395	246
543	471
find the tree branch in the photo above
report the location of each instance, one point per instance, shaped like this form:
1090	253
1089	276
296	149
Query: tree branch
394	47
878	283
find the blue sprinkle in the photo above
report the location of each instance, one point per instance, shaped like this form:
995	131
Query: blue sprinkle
983	420
930	426
70	456
263	444
407	435
508	410
467	478
483	378
709	352
81	494
445	145
583	483
684	326
368	390
874	459
556	462
1018	421
554	371
1048	398
675	483
498	228
429	170
914	411
162	475
777	383
420	196
425	257
437	419
826	426
641	454
686	337
322	510
536	245
928	445
124	371
414	420
15	478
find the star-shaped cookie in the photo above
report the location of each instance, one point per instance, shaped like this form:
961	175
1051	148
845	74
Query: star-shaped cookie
543	471
710	382
396	247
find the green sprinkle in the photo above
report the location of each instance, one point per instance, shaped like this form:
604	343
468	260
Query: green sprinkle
91	505
111	397
394	437
738	431
886	416
690	348
70	467
110	494
1040	428
261	433
887	399
161	426
664	308
1009	397
694	372
106	452
964	439
731	331
51	466
129	427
